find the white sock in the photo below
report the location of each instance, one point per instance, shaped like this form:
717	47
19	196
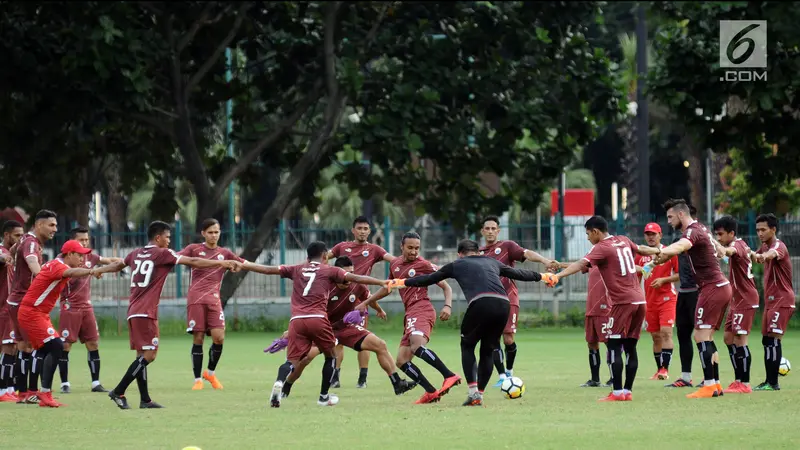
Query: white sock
66	383
686	376
626	391
473	389
11	390
44	390
210	372
503	376
510	372
618	393
198	379
95	383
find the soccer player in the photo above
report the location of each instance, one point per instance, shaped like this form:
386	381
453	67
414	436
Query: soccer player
419	319
508	253
778	296
661	299
343	300
487	310
151	264
77	320
613	256
364	256
204	313
12	233
309	324
715	291
743	306
39	300
597	311
28	263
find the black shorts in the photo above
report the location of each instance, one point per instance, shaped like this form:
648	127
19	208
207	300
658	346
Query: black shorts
685	309
485	320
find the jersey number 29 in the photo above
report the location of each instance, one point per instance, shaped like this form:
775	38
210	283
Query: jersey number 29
144	268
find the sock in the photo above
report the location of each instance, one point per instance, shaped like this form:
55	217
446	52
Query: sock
287	388
394	378
614	359
415	374
733	353
12	384
704	351
686	376
63	367
685	348
511	355
37	361
430	357
336	373
136	366
631	363
497	358
714	366
3	375
21	371
772	358
327	375
666	357
745	361
284	371
214	354
659	362
94	366
594	364
197	360
362	375
473	388
141	383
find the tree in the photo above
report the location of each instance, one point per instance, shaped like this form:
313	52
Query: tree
739	196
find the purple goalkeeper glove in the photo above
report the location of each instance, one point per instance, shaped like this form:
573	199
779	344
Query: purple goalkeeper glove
354	317
277	345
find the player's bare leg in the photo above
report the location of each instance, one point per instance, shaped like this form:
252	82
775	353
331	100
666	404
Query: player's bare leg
709	357
374	344
198	337
594	365
8	357
136	371
667	346
363	369
773	352
339	358
214	354
93	359
63	368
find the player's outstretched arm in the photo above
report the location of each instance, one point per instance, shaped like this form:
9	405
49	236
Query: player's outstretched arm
572	269
259	268
106	261
531	255
768	255
442	274
200	263
363	279
388	257
519	274
373	299
647	251
674	249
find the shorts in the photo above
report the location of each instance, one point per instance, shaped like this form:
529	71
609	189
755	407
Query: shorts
638	321
143	333
776	320
6	326
511	324
16	332
307	332
740	322
659	315
711	304
484	321
36	327
625	321
594	329
78	324
419	322
685	309
204	317
351	336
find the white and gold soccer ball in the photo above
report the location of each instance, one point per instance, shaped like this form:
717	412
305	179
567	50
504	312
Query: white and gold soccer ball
785	367
513	388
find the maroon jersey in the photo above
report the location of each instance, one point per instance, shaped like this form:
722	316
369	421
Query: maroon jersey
778	290
364	256
150	266
77	294
400	268
342	301
596	300
313	284
46	287
6	276
508	253
745	295
613	257
28	247
205	283
703	256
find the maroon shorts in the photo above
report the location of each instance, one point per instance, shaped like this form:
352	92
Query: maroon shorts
625	321
78	324
419	322
711	305
6	326
740	321
350	335
511	325
303	333
143	333
594	328
204	317
36	326
776	320
16	332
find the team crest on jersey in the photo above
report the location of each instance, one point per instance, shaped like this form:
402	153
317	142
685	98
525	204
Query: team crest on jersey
348	250
155	341
352	298
397	269
365	253
12	335
497	251
480	252
220	257
89	264
334	298
66	306
202	253
64	334
51	331
192	323
412	272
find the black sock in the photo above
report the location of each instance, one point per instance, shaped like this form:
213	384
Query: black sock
632	362
497	358
511	355
715	365
14	368
733	353
430	357
284	371
772	358
37	361
327	375
685	347
594	364
362	375
743	361
666	357
63	366
704	351
94	364
21	371
336	373
141	383
415	374
659	362
51	353
614	360
394	378
287	388
197	360
136	366
3	375
214	354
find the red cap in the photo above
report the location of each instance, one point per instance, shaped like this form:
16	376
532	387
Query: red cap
652	227
73	246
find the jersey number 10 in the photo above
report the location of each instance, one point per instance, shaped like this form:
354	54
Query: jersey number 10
626	263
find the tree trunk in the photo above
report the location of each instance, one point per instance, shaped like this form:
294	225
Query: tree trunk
694	155
117	210
630	164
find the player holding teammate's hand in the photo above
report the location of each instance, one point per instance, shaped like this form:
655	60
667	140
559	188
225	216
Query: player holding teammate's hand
550	279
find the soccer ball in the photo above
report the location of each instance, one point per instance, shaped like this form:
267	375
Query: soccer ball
513	388
785	367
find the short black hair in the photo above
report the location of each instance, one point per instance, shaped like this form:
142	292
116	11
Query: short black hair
409	235
343	261
596	223
157	228
208	223
495	219
678	204
726	223
45	214
467	246
770	219
360	219
10	225
693	211
316	249
77	230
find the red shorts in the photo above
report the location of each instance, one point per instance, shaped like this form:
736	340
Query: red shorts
594	328
303	333
419	322
6	325
711	305
350	335
513	315
16	332
625	321
776	320
740	322
143	333
78	324
660	315
36	327
204	317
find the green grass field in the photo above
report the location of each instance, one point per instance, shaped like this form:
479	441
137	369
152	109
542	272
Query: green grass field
554	413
